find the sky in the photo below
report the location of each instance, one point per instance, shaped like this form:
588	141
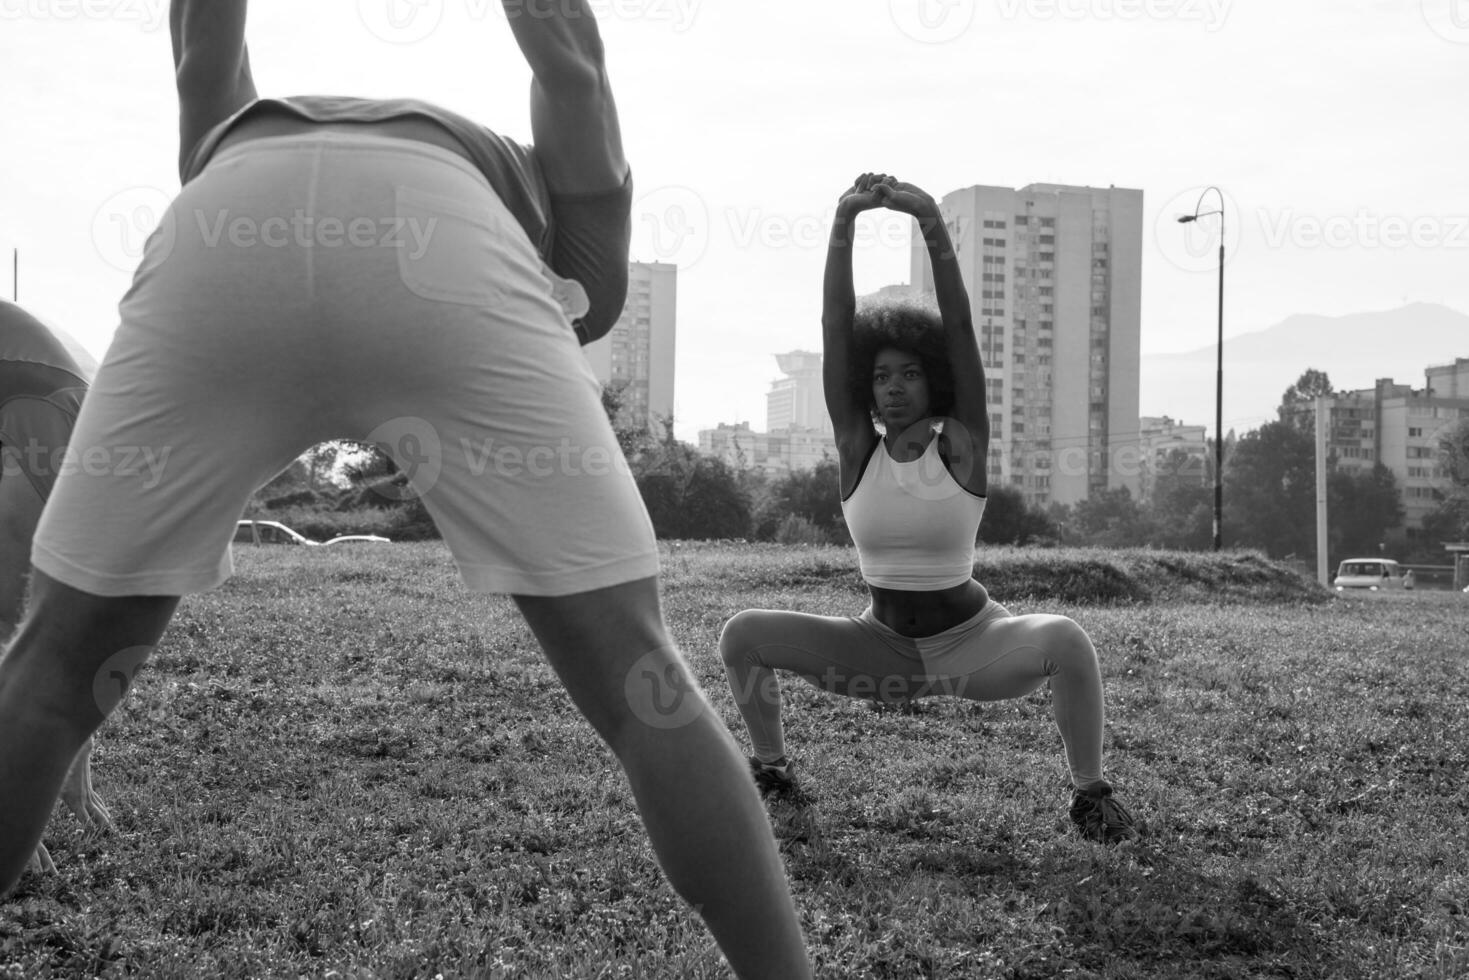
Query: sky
1333	129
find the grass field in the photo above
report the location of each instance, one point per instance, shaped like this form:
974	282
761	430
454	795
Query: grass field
342	764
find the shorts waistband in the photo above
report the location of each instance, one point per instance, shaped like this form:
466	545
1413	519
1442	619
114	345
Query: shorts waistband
335	140
990	609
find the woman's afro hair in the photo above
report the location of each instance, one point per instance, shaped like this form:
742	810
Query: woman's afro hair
908	325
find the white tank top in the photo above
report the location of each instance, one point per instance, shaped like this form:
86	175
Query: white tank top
913	524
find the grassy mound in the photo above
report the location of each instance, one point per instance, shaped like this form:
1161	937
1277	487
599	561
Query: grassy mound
1091	576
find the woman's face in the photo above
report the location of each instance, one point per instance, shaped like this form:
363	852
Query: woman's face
899	388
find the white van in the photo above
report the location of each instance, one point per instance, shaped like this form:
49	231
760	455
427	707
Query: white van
1372	573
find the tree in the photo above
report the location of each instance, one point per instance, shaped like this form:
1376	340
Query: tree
1111	519
1008	519
1297	404
1182	511
689	495
815	494
1361	506
1453	454
1446	524
1270	491
633	435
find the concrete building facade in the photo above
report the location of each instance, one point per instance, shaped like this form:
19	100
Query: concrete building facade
637	354
1054	274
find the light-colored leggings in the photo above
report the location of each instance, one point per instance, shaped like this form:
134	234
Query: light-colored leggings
991	657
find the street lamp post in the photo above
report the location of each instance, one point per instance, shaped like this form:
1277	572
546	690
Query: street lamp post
1219	370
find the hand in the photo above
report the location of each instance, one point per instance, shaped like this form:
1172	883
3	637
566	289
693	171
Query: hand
79	796
906	198
863	194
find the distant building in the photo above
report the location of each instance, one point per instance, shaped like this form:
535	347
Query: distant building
799	431
797	400
1399	427
1449	380
1054	275
1158	440
637	353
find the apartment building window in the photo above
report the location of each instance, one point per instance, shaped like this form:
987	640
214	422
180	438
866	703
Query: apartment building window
1019	358
1420	452
1043	342
1022	219
1414	433
1048	256
1099	263
1048	239
1047	309
1047	291
1048	222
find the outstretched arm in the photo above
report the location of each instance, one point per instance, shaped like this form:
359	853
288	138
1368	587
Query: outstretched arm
849	415
573	116
970	410
211	66
579	146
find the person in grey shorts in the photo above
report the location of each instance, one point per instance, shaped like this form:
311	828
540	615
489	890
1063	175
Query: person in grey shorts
423	283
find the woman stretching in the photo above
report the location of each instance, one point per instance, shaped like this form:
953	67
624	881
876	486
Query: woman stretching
913	497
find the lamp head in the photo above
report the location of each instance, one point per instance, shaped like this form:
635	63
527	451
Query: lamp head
1184	219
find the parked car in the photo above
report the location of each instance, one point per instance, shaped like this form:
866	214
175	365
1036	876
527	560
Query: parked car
1372	573
274	532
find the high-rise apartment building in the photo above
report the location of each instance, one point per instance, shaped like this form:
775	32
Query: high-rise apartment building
798	400
636	355
1054	275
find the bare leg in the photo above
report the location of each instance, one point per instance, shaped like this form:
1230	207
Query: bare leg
68	667
612	651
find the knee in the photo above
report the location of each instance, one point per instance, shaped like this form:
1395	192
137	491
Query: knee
739	636
1067	644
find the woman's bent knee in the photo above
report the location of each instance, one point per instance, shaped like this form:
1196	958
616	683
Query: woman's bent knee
740	635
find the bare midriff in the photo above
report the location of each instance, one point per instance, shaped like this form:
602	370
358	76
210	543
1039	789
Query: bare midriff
264	123
926	613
